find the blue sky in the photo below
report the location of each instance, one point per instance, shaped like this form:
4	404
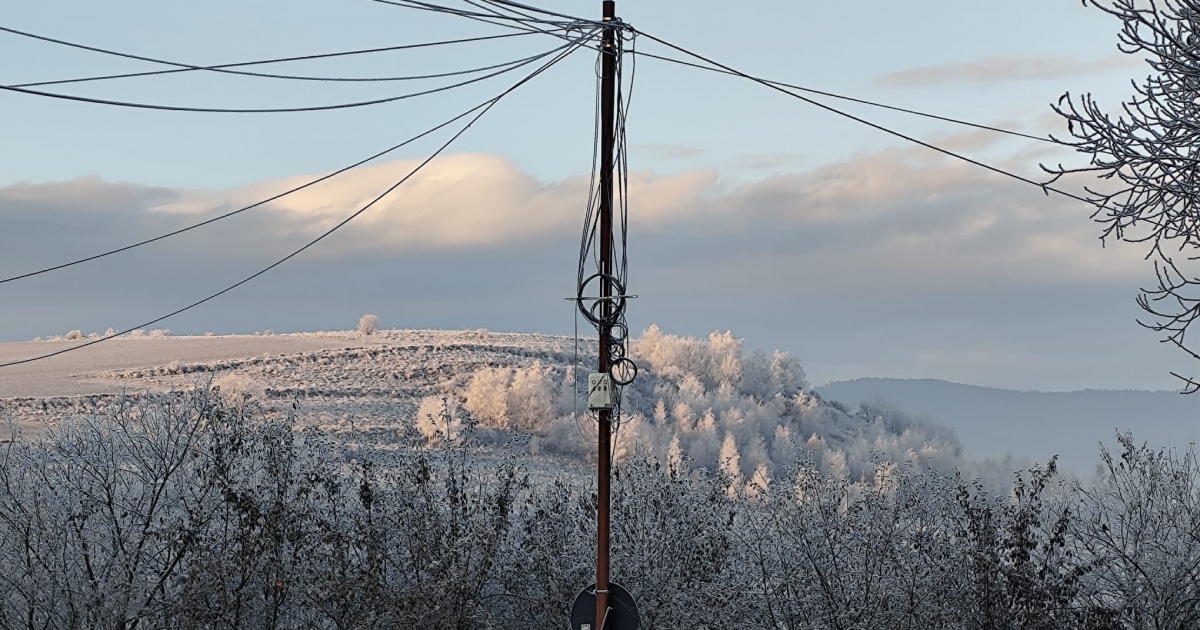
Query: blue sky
859	254
845	47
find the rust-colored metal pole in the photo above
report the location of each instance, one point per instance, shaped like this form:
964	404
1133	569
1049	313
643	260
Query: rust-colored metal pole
608	91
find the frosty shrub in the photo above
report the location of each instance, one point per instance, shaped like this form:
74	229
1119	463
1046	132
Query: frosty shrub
236	390
708	397
181	511
521	398
74	334
437	421
367	324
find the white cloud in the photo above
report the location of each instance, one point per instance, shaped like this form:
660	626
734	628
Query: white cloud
461	200
897	211
898	249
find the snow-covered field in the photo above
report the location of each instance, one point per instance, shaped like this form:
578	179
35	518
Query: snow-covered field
338	378
80	372
748	414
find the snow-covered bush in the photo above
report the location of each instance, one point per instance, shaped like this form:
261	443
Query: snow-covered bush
367	324
523	398
236	390
74	334
437	420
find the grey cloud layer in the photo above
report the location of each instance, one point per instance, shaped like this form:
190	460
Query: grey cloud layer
928	267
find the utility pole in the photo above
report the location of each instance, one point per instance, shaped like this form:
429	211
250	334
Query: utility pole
608	90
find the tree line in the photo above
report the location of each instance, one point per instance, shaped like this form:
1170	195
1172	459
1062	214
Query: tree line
187	511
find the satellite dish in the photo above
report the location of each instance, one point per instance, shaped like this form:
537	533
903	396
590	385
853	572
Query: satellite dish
622	610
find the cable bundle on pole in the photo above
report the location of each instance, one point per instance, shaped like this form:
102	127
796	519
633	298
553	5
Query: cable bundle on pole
604	243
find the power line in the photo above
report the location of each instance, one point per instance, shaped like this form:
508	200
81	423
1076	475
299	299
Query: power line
731	72
793	86
427	6
852	99
224	68
513	6
486	107
277	110
245	208
484	18
487	6
1046	188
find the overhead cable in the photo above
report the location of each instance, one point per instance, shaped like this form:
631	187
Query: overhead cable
278	110
513	6
225	68
1046	188
487	6
486	107
493	15
852	99
436	8
244	208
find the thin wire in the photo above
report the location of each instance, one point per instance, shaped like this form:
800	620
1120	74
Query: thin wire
279	110
1046	188
517	5
486	108
852	99
243	209
490	18
801	88
417	4
486	6
300	77
224	68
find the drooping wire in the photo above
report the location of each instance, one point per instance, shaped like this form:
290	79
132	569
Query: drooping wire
490	7
436	8
609	313
514	6
278	110
852	99
793	86
239	210
483	109
1045	187
526	26
256	204
225	68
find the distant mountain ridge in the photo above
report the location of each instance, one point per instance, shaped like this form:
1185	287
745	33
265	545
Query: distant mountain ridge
993	422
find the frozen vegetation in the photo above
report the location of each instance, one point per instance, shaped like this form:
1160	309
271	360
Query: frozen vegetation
433	479
198	510
746	413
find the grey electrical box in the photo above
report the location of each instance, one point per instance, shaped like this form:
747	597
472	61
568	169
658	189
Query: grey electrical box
600	391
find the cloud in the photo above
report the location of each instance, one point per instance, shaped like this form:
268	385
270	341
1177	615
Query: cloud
898	259
900	209
990	70
461	200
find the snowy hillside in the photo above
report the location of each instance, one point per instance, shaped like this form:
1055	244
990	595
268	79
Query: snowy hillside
746	414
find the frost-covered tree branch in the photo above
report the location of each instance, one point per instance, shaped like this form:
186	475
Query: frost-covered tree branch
1148	157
